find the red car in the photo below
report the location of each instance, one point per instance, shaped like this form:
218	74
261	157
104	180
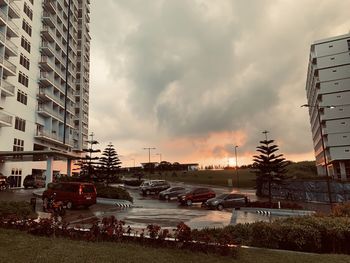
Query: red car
198	195
71	193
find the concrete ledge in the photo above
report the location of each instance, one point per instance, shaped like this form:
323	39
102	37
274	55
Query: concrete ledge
277	212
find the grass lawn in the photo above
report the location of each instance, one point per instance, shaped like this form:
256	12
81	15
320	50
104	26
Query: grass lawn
16	246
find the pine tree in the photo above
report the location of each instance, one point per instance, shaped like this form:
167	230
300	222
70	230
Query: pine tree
88	164
109	164
268	166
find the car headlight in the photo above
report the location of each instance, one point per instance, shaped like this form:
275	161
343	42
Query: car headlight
215	202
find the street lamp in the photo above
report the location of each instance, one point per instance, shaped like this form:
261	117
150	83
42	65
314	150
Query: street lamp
236	167
317	106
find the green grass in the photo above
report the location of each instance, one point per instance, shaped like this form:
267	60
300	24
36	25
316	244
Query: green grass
17	246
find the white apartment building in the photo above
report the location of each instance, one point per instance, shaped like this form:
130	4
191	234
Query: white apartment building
44	85
328	95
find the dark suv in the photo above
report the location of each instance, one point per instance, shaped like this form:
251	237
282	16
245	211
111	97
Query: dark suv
198	195
33	181
227	201
71	193
153	186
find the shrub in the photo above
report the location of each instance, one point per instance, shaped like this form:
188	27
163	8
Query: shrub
112	192
21	210
341	209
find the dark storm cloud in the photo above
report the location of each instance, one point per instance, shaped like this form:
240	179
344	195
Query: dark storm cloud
188	68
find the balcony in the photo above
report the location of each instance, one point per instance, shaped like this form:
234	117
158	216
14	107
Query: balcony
7	89
45	79
3	17
48	19
14	11
46	64
48	33
47	49
9	67
49	112
12	29
52	136
11	48
5	119
49	5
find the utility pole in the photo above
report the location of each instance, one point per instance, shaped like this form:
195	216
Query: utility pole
237	167
149	156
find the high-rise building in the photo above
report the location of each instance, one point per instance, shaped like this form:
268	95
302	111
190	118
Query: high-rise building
328	95
44	84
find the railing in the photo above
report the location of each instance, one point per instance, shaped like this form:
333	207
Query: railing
51	112
46	44
2	37
10	65
15	7
11	45
8	86
13	26
46	75
6	118
49	30
3	15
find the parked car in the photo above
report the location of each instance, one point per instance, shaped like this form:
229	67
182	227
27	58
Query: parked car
197	195
33	181
171	192
227	201
153	186
3	182
71	193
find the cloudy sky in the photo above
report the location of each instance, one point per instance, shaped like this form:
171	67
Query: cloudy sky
193	78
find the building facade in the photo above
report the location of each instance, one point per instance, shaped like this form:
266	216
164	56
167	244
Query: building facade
44	68
328	96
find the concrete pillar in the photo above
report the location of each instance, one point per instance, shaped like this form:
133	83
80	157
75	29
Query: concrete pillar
69	167
342	171
49	170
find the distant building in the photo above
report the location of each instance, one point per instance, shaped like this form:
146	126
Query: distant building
44	84
328	89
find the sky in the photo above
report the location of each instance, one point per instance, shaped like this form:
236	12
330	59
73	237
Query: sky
195	78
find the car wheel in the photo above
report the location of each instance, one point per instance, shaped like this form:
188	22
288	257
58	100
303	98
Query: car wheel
189	202
166	197
69	205
148	192
220	207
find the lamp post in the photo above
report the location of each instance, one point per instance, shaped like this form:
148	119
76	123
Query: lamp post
323	146
237	167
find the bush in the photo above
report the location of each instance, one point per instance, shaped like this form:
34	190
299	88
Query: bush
20	210
112	192
341	209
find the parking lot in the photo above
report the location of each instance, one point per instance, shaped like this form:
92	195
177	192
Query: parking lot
145	210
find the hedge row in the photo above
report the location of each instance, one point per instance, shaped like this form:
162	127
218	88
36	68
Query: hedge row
112	192
307	234
18	209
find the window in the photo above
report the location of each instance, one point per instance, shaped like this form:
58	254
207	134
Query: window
24	61
20	124
32	2
22	97
26	27
23	79
25	44
18	145
28	11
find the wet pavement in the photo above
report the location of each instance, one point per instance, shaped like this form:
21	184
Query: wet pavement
149	210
